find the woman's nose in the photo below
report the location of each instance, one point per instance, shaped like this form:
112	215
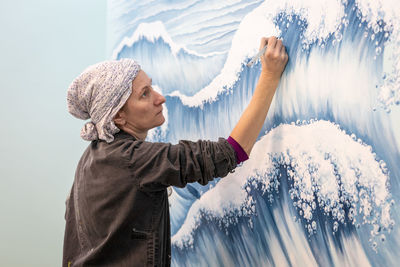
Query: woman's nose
160	99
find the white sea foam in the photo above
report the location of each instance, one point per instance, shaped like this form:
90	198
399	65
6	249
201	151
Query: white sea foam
374	12
327	168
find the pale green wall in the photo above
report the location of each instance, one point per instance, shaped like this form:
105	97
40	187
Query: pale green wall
43	46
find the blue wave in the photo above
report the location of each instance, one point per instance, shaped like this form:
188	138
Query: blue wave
333	190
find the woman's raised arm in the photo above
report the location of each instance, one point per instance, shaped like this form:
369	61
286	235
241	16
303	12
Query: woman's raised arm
273	63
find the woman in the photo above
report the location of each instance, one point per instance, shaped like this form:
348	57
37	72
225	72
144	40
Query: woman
117	213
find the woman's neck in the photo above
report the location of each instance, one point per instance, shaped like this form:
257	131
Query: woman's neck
140	135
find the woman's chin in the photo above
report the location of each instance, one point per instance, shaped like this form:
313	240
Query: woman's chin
160	121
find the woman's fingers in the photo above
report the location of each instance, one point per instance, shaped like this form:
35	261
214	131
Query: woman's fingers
284	55
278	48
275	57
283	49
271	44
263	43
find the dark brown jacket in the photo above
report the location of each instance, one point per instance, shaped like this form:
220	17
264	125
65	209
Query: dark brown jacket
117	213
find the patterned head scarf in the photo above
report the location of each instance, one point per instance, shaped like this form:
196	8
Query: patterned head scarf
98	93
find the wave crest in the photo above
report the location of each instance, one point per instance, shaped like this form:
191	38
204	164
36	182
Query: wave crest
328	171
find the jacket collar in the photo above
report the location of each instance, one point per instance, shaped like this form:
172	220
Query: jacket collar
123	135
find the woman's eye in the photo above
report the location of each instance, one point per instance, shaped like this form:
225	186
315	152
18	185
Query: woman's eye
145	93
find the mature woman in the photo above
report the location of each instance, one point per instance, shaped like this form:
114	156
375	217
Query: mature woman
117	213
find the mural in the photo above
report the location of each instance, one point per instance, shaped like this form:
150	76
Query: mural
322	184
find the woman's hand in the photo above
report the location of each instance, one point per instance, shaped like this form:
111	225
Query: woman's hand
274	59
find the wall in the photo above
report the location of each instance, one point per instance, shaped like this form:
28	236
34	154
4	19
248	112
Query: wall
44	45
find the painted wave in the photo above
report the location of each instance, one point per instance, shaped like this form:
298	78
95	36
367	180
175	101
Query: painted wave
200	25
171	66
325	192
325	183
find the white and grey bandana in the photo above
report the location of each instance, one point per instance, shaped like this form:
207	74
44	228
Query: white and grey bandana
98	93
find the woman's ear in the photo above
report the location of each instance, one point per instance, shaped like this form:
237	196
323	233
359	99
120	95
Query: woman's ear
119	119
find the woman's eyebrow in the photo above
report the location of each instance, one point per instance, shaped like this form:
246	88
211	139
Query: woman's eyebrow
144	88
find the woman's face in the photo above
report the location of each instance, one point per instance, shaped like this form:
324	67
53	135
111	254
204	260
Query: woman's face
143	109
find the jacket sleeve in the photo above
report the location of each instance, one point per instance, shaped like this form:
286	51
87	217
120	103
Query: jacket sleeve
155	166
